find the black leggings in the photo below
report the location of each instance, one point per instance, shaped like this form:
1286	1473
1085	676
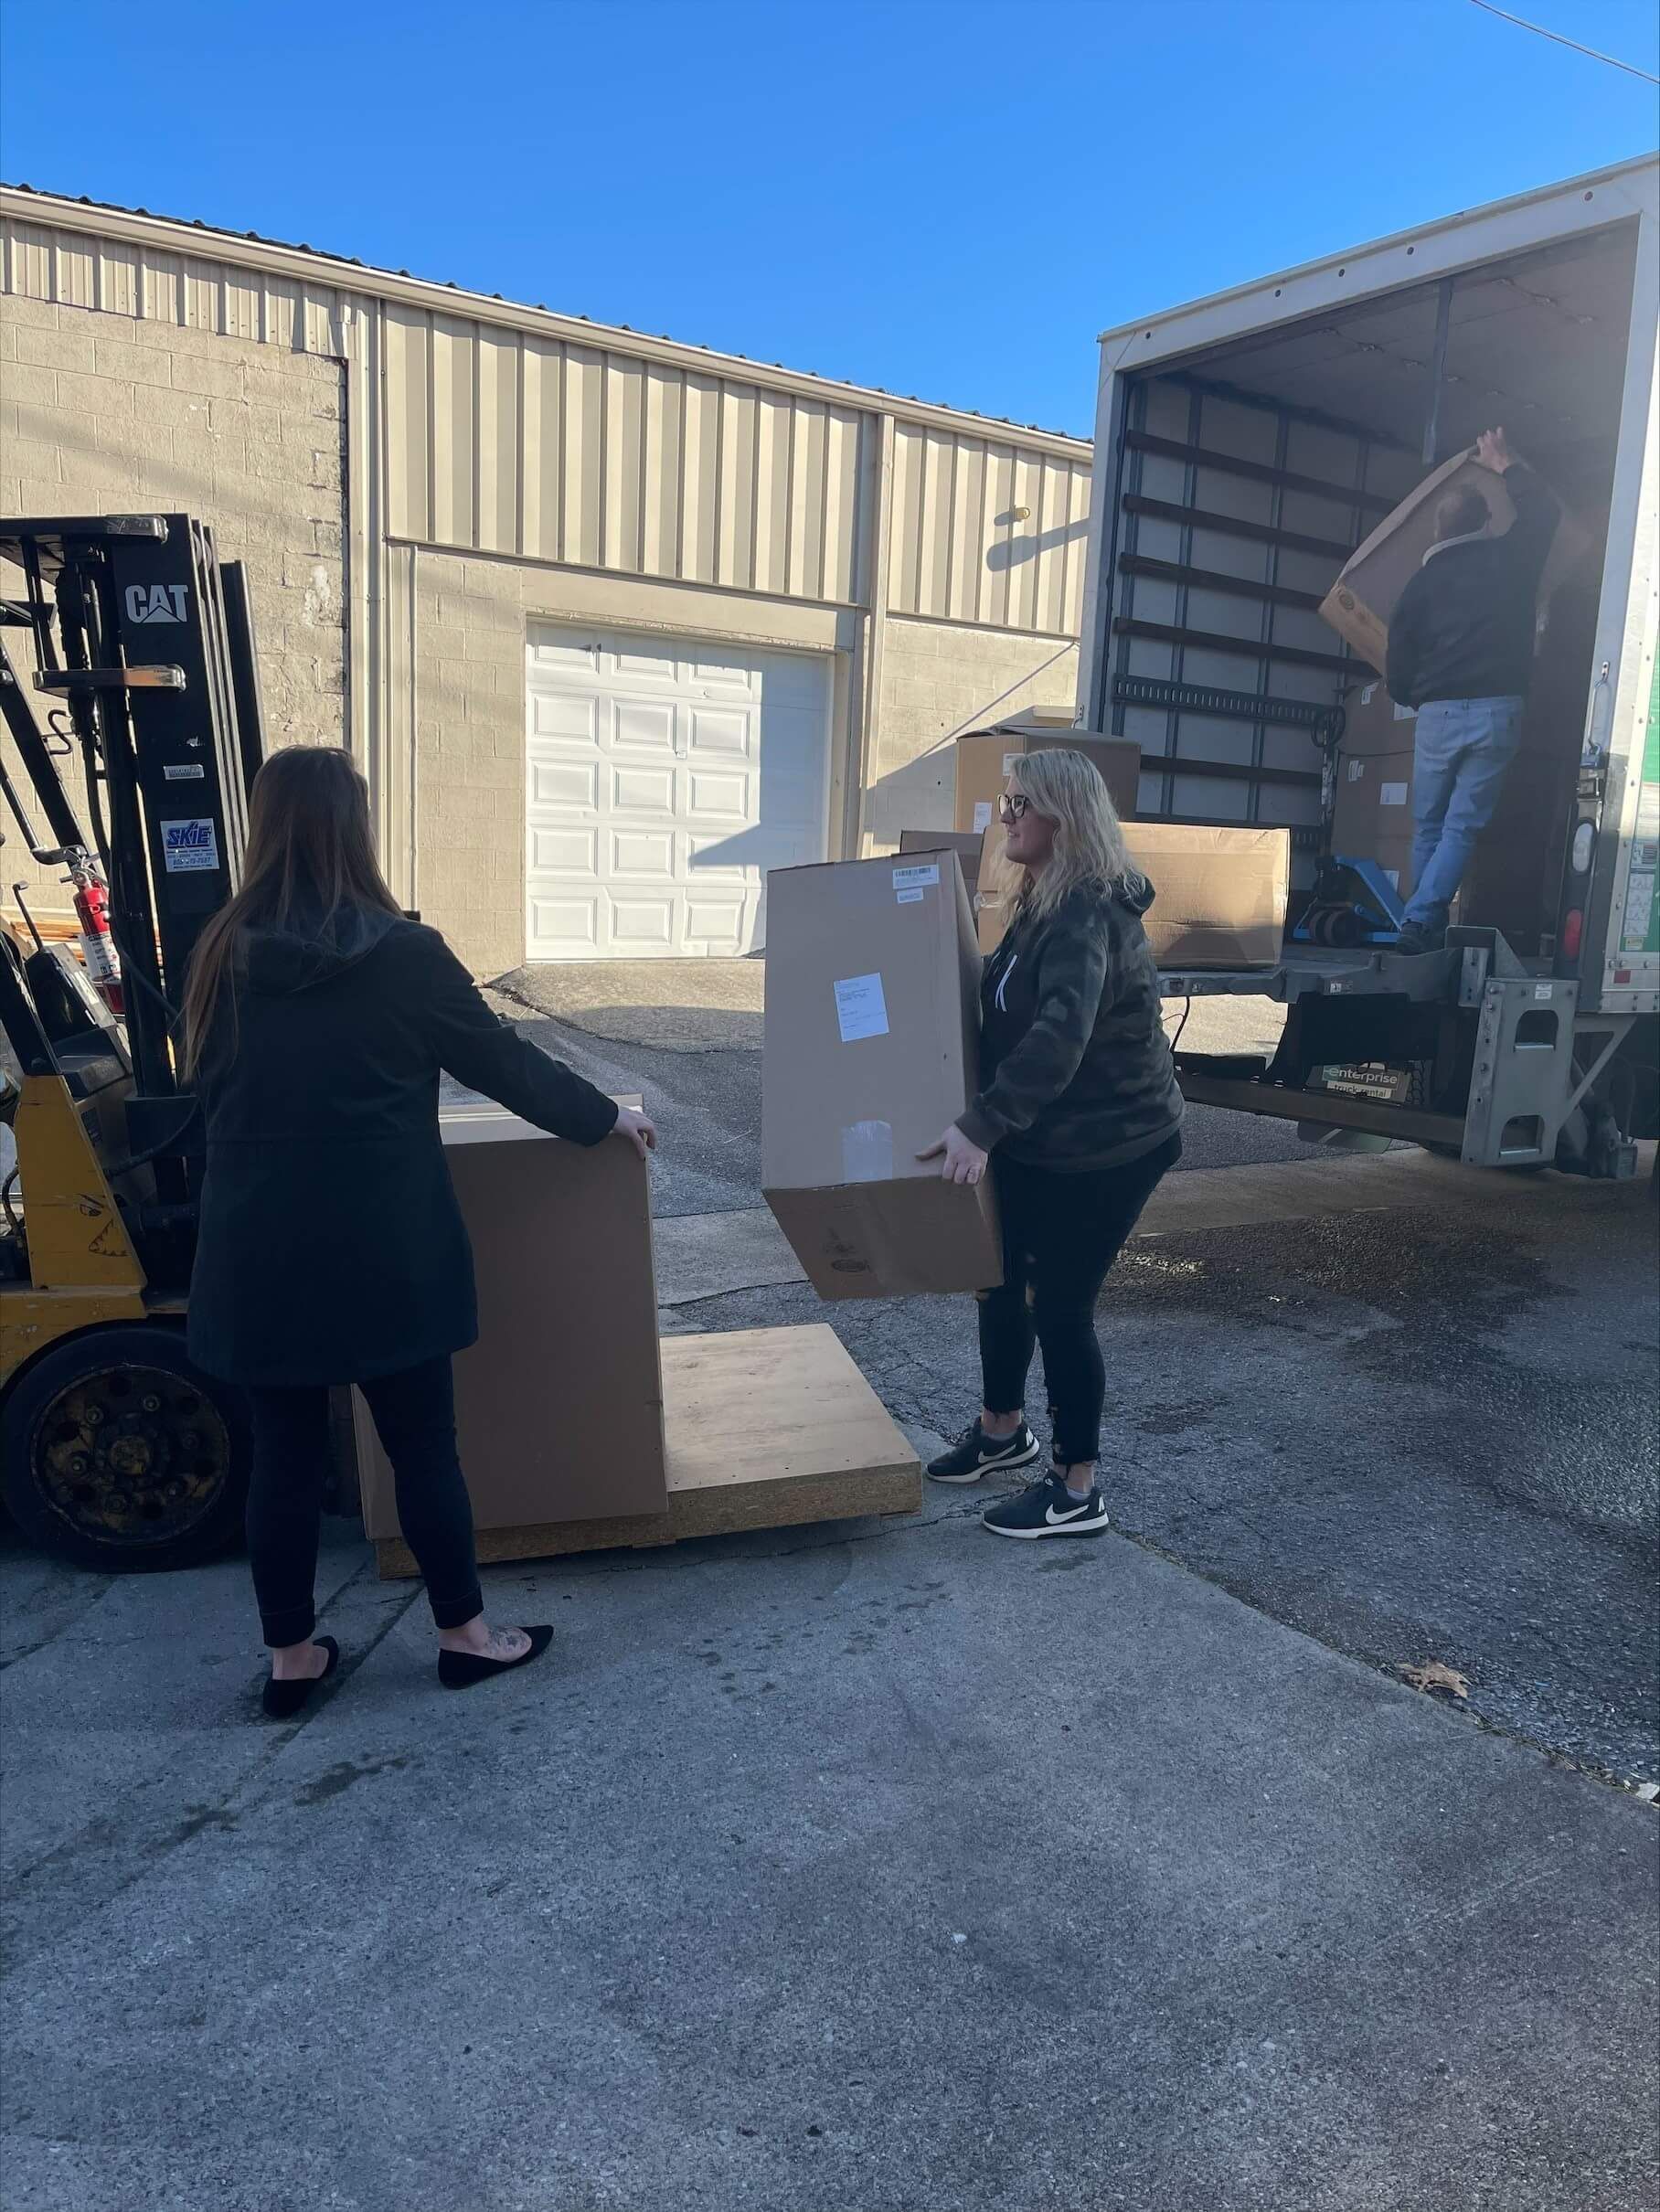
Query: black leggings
415	1418
1060	1235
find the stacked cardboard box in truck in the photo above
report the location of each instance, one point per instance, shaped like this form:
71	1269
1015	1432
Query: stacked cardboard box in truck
1219	894
870	1051
984	759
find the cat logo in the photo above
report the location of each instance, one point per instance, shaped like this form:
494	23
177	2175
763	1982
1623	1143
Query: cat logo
155	602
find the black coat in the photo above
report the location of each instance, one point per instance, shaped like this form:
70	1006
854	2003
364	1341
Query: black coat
1075	1071
330	1248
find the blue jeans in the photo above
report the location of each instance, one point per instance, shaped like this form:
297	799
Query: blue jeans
1459	758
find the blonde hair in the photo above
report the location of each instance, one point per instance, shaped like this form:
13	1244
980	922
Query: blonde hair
1066	788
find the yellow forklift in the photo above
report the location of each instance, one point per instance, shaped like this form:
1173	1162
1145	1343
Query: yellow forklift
115	1452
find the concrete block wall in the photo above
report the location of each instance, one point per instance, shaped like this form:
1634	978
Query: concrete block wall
938	679
100	414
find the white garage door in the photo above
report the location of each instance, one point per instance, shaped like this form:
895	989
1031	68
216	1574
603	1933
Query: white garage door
666	777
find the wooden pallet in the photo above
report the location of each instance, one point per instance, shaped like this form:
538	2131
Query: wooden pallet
766	1428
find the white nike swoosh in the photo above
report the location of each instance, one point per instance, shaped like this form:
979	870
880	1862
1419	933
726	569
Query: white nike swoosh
1055	1519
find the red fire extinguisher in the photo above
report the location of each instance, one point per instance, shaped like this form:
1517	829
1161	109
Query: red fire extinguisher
97	945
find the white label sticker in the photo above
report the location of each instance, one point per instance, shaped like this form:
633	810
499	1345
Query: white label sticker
1365	696
983	817
1543	990
1639	908
860	1008
915	880
1357	768
183	772
1391	795
908	898
1011	760
188	847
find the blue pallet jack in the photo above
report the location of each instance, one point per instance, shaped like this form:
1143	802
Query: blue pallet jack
1354	903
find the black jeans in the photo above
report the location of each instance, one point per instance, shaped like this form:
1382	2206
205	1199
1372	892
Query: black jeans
1060	1234
415	1418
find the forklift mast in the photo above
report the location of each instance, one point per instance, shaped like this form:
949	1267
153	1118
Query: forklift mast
131	624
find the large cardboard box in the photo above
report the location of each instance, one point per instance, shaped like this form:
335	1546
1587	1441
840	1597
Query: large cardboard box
984	762
1359	604
559	1406
1372	802
871	1052
966	848
1219	899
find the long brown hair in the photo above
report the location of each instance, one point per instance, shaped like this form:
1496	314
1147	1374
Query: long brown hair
310	847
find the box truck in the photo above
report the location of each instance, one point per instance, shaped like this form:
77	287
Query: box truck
1246	446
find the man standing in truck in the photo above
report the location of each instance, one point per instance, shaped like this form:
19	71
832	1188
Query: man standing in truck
1461	652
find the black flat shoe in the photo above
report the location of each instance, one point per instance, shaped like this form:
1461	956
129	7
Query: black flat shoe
460	1670
282	1700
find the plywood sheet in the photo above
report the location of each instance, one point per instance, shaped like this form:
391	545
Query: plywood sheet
766	1428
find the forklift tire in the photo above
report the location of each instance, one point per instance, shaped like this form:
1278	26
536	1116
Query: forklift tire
121	1456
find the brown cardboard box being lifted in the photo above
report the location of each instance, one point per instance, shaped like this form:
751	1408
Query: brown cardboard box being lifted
871	1052
984	758
559	1406
1359	604
1219	894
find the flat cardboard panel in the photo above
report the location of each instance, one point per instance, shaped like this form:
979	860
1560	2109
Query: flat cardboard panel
559	1404
981	770
1359	604
870	1046
1220	897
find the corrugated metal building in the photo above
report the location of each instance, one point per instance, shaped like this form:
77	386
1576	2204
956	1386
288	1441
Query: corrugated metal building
613	624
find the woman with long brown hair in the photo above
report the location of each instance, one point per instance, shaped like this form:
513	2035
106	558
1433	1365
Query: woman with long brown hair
317	1022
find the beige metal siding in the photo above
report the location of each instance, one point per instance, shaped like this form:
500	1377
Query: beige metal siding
119	276
501	443
607	455
958	554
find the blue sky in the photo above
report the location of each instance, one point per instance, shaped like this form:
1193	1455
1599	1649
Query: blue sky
944	200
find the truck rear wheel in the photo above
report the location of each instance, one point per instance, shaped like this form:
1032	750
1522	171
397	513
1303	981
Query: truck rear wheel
121	1456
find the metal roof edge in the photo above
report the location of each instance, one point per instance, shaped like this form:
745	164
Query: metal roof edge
1590	179
174	234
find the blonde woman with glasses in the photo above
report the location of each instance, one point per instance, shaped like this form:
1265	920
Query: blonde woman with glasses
1078	1117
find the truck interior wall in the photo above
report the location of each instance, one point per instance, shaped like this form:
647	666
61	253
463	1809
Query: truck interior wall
1248	473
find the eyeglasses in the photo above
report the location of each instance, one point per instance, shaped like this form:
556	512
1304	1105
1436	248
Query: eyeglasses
1011	807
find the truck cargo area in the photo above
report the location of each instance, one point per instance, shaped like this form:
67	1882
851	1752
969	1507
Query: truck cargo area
1234	479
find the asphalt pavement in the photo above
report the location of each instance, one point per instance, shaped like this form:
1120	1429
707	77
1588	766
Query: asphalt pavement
881	1864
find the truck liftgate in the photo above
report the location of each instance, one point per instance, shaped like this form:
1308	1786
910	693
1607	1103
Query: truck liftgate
1466	1051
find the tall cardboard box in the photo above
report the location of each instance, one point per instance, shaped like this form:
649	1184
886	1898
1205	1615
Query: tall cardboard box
871	1052
559	1406
1359	604
984	759
1219	894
